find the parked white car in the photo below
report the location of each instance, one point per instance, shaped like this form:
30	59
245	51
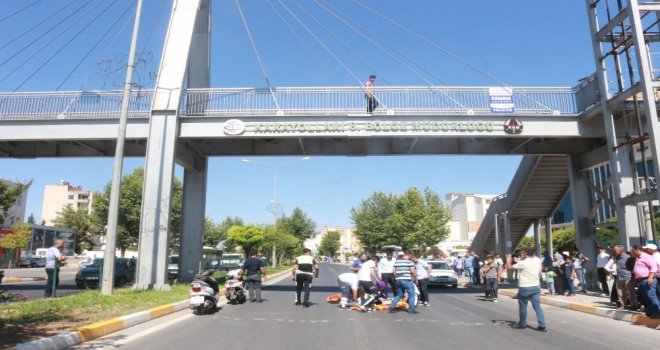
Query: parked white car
442	275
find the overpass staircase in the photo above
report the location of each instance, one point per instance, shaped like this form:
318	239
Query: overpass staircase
537	189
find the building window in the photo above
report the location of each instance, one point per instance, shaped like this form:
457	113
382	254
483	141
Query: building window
71	197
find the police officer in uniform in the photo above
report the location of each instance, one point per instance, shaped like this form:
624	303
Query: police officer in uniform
303	272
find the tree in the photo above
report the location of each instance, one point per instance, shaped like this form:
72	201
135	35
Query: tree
216	233
412	220
372	221
130	209
31	219
330	244
285	244
9	194
17	240
298	224
431	227
82	225
249	237
436	252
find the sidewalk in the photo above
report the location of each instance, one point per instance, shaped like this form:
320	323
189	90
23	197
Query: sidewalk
591	303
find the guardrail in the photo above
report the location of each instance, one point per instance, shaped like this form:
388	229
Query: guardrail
301	101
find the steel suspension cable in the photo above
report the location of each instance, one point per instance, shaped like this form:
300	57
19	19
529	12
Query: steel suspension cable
339	40
19	10
103	56
360	31
96	44
303	43
27	31
447	52
65	45
49	30
256	53
153	26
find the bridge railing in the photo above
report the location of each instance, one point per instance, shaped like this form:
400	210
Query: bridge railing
72	104
303	101
392	100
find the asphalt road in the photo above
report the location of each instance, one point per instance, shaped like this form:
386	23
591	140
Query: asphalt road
457	318
35	289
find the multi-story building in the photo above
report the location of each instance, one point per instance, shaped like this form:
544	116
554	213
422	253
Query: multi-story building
16	213
349	244
56	197
467	212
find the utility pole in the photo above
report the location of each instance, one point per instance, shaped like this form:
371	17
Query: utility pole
108	276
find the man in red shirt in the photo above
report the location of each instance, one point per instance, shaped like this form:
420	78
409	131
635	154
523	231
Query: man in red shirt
645	270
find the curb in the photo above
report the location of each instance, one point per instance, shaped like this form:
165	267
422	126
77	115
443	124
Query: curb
618	315
11	280
99	329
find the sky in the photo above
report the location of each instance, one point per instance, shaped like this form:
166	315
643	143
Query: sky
519	42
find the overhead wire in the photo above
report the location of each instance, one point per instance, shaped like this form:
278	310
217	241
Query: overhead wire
256	53
447	52
65	45
69	18
320	42
303	43
48	17
19	10
340	41
96	44
361	30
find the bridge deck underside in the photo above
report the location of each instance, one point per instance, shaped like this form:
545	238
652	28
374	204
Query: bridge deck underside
331	146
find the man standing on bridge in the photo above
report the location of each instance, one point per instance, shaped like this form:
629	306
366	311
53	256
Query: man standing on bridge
303	273
529	288
372	102
53	260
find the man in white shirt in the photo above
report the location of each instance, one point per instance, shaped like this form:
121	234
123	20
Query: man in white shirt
423	272
53	260
601	260
348	283
529	287
386	270
366	275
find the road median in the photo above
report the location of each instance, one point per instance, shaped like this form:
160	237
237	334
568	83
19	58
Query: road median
99	329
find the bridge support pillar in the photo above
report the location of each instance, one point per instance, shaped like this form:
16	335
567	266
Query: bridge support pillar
156	201
162	142
548	236
581	201
192	221
537	237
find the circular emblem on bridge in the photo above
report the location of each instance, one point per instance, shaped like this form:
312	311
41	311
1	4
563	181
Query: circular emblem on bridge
513	126
234	127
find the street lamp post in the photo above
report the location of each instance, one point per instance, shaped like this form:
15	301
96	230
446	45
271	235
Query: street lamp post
274	206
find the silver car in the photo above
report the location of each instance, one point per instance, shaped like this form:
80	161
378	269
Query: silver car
442	275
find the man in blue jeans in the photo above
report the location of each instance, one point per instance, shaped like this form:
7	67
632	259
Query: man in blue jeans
406	277
529	288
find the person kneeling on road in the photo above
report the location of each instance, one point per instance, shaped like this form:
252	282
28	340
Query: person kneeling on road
366	275
348	283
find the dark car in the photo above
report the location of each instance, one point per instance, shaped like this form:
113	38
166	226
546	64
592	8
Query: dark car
90	275
32	262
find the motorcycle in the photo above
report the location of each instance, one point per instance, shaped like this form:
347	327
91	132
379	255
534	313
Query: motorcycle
234	290
204	293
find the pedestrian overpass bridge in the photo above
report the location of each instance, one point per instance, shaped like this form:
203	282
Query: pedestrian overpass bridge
562	132
303	120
